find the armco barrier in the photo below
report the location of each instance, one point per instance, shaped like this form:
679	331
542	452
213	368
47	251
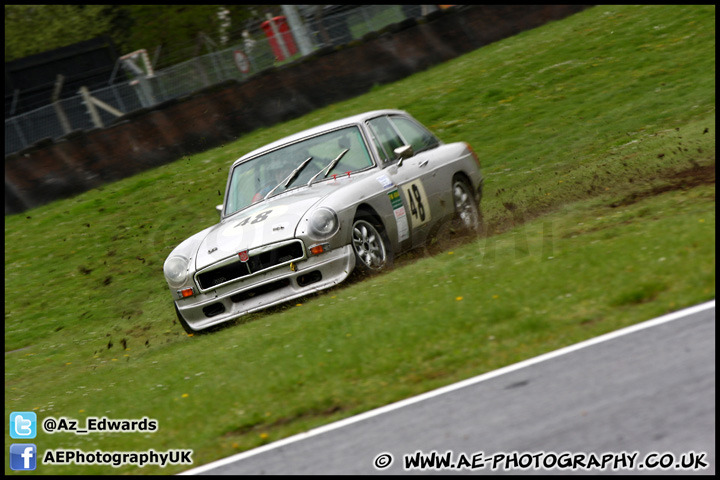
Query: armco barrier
219	114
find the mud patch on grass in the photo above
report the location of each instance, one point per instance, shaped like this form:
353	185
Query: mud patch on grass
692	177
448	238
262	426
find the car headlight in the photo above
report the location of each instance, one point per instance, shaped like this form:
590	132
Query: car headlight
175	270
323	223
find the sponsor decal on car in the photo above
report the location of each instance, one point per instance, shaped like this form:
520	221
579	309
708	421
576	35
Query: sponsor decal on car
400	216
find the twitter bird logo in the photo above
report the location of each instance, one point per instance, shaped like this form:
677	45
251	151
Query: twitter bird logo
23	425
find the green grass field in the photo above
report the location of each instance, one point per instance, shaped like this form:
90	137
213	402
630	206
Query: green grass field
597	139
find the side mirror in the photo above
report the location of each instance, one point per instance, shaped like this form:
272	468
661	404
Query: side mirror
406	151
219	209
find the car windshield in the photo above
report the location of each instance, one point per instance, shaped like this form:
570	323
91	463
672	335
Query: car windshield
252	180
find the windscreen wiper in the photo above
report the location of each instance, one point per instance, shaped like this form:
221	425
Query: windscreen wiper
328	168
286	181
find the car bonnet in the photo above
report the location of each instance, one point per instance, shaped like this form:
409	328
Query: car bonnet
271	221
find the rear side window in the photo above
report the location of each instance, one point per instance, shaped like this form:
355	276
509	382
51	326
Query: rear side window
392	132
414	134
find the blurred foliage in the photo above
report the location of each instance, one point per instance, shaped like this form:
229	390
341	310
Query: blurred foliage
31	29
173	32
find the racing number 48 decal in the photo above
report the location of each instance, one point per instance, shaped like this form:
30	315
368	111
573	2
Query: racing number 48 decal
260	217
417	202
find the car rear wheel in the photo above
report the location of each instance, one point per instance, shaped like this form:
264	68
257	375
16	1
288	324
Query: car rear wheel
370	244
466	208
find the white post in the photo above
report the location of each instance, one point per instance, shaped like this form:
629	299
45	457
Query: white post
18	130
64	122
106	107
298	29
145	93
91	107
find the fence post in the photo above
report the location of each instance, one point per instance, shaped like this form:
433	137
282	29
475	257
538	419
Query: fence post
93	102
14	122
200	69
62	118
16	95
298	29
147	99
118	98
94	115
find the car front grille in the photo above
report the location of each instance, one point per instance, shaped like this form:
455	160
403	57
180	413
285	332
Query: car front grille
257	263
221	275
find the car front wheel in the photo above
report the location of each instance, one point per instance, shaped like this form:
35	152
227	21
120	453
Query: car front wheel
372	250
183	322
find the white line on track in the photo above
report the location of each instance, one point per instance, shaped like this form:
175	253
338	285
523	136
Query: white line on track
455	386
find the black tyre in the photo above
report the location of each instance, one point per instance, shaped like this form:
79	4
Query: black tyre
182	321
371	245
467	212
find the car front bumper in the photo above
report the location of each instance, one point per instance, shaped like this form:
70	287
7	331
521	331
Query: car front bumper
238	298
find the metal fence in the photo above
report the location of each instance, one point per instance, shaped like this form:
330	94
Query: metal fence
256	52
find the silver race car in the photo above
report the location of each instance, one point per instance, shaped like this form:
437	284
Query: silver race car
301	213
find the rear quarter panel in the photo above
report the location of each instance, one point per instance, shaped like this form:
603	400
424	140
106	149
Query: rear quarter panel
452	159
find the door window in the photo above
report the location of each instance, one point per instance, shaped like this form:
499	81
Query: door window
387	136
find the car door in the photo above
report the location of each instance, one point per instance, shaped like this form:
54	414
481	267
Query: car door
413	176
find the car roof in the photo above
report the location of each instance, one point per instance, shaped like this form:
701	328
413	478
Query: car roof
352	120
